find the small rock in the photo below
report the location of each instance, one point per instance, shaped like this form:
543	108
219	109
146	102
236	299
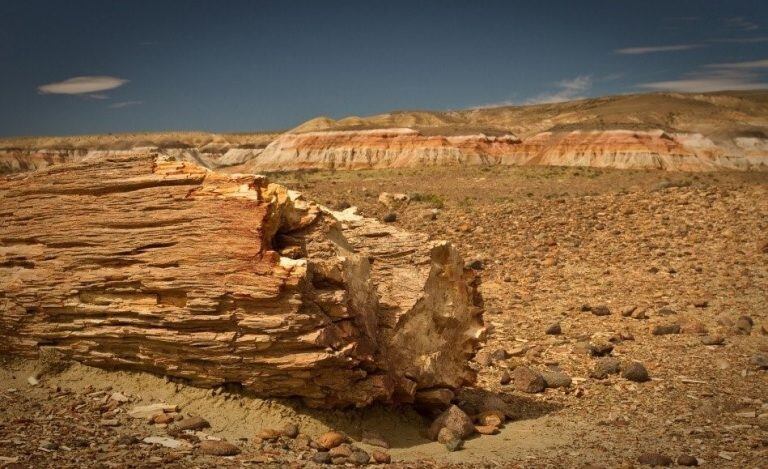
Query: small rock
601	310
218	448
49	445
127	440
554	329
640	314
483	358
390	217
32	381
665	311
331	439
321	457
499	355
760	360
475	264
192	423
528	380
694	327
148	411
454	445
360	457
343	450
435	397
166	442
627	311
486	429
163	418
454	419
636	372
268	434
505	378
445	435
381	457
687	460
339	460
601	349
290	430
491	417
744	325
606	366
713	340
109	423
666	329
556	379
700	303
654	459
119	397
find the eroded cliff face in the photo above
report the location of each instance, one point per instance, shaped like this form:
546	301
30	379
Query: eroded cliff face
397	148
144	262
16	160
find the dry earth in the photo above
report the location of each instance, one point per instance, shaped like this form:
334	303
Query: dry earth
554	245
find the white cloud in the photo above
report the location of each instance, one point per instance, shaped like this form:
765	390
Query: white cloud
740	23
749	65
123	104
82	85
568	90
710	80
654	49
742	40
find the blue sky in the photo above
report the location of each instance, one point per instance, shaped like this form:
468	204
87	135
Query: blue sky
79	67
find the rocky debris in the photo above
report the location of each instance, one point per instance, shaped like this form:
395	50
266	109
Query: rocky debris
635	371
528	380
360	457
455	420
600	349
666	329
329	440
218	448
556	379
331	323
628	310
600	310
554	329
654	459
693	326
493	418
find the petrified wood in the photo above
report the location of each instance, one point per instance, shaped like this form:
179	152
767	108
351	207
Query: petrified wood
141	262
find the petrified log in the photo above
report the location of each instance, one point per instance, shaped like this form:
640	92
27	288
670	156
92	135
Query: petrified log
146	263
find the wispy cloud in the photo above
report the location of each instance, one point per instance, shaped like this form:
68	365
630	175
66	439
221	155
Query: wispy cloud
719	76
654	49
82	85
742	40
123	104
748	65
740	23
567	90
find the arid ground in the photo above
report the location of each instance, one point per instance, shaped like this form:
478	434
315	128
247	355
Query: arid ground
641	266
